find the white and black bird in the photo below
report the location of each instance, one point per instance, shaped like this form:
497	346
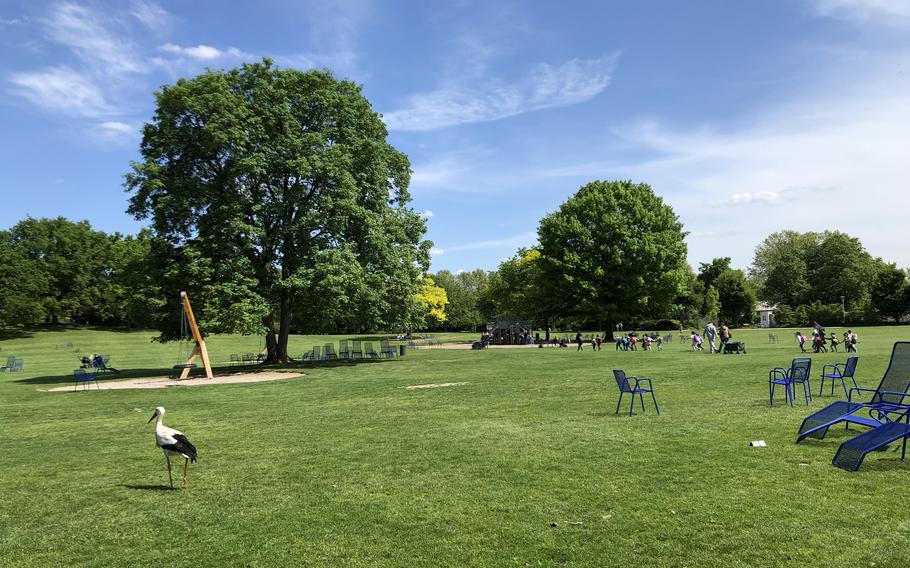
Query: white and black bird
173	443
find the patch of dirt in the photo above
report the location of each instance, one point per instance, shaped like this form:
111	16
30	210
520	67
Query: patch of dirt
164	382
468	346
434	386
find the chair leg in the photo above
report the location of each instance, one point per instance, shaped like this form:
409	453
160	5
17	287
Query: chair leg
771	388
632	407
790	393
641	399
657	408
618	402
822	387
843	383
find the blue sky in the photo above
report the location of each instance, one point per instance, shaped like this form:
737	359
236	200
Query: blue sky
747	117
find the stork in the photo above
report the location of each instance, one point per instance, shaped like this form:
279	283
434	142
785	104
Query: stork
173	443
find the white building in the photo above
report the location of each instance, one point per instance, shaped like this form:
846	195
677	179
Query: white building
765	314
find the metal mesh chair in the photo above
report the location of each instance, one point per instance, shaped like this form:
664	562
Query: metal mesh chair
633	386
797	373
887	401
840	372
851	453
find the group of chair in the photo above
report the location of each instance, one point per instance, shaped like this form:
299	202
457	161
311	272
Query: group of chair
13	364
90	371
351	349
799	373
887	413
245	359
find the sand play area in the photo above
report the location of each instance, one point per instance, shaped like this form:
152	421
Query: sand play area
164	382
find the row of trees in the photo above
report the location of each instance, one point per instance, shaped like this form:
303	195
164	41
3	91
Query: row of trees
636	274
273	197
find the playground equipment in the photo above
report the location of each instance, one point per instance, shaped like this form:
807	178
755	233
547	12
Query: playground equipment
188	323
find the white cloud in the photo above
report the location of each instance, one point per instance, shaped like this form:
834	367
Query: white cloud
85	32
889	12
514	241
12	21
204	52
115	131
546	86
828	159
61	89
426	214
151	15
436	251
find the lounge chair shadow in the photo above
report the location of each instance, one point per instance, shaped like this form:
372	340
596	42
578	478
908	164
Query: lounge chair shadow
149	487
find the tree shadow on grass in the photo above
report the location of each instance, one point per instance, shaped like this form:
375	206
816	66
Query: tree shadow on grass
149	487
156	372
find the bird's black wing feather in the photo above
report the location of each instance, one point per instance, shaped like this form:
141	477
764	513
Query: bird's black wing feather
183	446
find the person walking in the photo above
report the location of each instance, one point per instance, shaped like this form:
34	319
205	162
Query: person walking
724	336
580	341
710	334
802	341
833	341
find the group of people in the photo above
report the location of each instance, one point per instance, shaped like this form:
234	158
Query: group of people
630	341
821	341
712	333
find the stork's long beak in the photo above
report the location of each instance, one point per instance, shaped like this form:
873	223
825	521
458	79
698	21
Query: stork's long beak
152	418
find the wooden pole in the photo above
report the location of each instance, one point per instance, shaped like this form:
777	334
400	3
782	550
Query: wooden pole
200	349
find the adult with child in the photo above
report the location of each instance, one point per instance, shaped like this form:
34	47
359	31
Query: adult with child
710	334
724	336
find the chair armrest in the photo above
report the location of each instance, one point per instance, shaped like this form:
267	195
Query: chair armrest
643	380
900	394
835	366
850	393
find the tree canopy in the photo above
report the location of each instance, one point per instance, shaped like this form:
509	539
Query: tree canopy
614	251
275	193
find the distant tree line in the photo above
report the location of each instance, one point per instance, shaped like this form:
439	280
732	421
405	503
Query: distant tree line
59	270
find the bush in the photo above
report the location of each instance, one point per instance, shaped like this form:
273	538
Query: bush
661	325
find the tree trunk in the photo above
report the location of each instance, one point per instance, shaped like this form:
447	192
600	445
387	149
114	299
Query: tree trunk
271	343
608	332
284	330
547	324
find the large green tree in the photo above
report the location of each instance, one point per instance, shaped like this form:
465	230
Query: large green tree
891	292
75	262
278	194
614	251
464	291
737	299
801	268
23	286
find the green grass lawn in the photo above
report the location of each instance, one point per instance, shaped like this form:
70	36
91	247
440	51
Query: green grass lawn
525	465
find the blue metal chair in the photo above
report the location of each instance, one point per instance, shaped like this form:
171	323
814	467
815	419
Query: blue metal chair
386	350
797	373
625	386
840	372
886	405
851	453
85	377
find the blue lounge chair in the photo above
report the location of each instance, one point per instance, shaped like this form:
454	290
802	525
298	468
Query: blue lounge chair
887	404
344	352
85	377
840	372
329	352
797	373
851	453
356	350
625	386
